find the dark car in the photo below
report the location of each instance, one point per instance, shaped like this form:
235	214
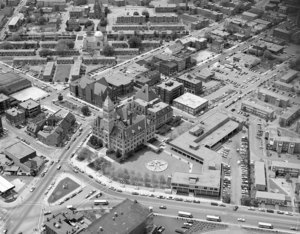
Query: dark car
235	208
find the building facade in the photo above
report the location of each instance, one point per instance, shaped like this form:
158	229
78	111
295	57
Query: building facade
257	110
270	198
168	91
30	107
260	176
273	98
190	103
207	184
15	116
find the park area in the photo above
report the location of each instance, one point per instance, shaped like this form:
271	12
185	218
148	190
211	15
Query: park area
144	168
62	72
63	188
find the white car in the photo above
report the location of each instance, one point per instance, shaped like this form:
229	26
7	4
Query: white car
241	219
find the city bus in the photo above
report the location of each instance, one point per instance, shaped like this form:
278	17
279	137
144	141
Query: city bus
185	214
265	225
100	202
213	218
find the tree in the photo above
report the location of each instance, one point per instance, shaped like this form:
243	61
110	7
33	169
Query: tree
162	180
108	51
85	110
6	46
66	79
135	42
81	2
146	178
103	22
146	14
60	97
93	140
154	179
288	178
174	35
106	11
45	52
41	20
67	42
226	198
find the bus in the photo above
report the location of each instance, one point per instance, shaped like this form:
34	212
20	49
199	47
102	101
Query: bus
100	202
213	218
265	225
185	214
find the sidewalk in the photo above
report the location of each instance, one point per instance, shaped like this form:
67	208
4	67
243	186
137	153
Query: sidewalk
144	191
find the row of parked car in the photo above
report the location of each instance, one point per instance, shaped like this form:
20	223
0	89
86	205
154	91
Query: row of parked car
244	164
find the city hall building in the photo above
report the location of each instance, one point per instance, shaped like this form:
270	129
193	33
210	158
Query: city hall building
122	130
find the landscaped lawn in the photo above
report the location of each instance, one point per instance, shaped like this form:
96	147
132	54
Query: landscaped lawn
138	161
63	188
62	72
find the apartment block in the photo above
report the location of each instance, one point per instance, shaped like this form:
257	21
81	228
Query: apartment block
260	176
49	71
258	110
284	167
169	90
273	98
270	198
289	116
283	86
191	83
30	107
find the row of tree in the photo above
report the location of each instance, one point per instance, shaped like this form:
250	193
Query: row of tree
122	175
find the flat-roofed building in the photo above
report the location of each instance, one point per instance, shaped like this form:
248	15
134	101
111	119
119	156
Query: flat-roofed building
30	107
284	144
282	33
298	127
207	183
5	186
289	76
289	116
283	86
1	126
162	113
169	90
198	141
76	70
15	116
273	98
126	217
4	102
249	16
11	82
190	103
49	71
260	176
257	109
30	60
270	198
284	167
14	23
191	83
58	5
19	152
